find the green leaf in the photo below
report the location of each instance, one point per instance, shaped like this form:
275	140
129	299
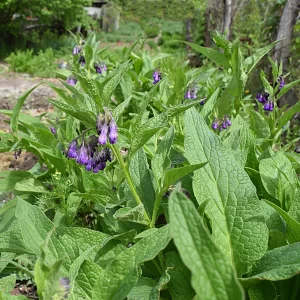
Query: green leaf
278	264
17	109
141	177
135	215
111	85
292	226
294	210
153	125
118	111
258	55
287	87
265	290
173	175
5	259
160	162
279	178
31	185
258	124
231	194
7	283
88	51
180	283
200	254
164	279
218	57
88	118
10	178
87	277
288	114
117	280
210	105
142	289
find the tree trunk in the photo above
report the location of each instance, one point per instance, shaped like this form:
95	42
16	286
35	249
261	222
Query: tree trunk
287	21
207	27
227	18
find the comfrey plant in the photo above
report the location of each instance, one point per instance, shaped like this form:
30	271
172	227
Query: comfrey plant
140	196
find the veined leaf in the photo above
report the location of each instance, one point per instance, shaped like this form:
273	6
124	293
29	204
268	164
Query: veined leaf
288	115
118	111
142	289
135	215
200	254
210	105
7	283
287	87
231	194
117	280
279	178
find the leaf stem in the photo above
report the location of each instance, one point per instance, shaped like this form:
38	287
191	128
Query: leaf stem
128	178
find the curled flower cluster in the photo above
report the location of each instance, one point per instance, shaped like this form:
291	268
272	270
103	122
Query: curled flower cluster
100	67
264	99
222	124
156	77
191	93
71	80
88	154
106	127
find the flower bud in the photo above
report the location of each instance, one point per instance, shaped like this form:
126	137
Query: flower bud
72	150
82	157
103	134
113	131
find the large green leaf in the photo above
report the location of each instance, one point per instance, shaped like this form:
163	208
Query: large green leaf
141	177
231	196
117	280
10	178
288	114
279	178
278	264
208	264
180	283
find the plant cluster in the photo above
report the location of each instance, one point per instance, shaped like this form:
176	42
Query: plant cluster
137	196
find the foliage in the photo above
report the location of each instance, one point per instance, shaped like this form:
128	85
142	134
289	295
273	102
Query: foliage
181	202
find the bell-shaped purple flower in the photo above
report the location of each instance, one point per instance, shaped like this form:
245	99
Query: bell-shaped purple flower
76	50
228	122
82	157
72	150
224	125
113	132
187	94
103	134
202	102
100	166
89	165
193	93
269	106
261	98
156	77
71	80
82	60
281	85
215	125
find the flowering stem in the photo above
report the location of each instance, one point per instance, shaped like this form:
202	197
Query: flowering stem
119	157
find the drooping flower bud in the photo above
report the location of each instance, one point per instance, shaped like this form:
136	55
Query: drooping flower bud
269	105
100	166
82	157
261	98
228	122
193	93
215	124
223	125
71	80
103	134
72	150
82	60
89	165
187	94
52	129
113	132
281	85
202	102
156	77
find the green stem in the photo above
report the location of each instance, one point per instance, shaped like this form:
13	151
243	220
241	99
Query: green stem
24	270
157	205
151	154
128	178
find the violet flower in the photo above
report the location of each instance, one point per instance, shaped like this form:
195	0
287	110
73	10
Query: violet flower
71	80
156	77
72	150
82	157
76	50
215	124
113	132
103	135
82	60
52	129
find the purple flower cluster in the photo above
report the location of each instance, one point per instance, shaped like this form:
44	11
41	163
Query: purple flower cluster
156	77
264	99
76	50
71	80
222	124
106	127
88	154
100	67
65	285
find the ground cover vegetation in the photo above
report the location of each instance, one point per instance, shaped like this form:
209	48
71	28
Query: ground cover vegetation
155	181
